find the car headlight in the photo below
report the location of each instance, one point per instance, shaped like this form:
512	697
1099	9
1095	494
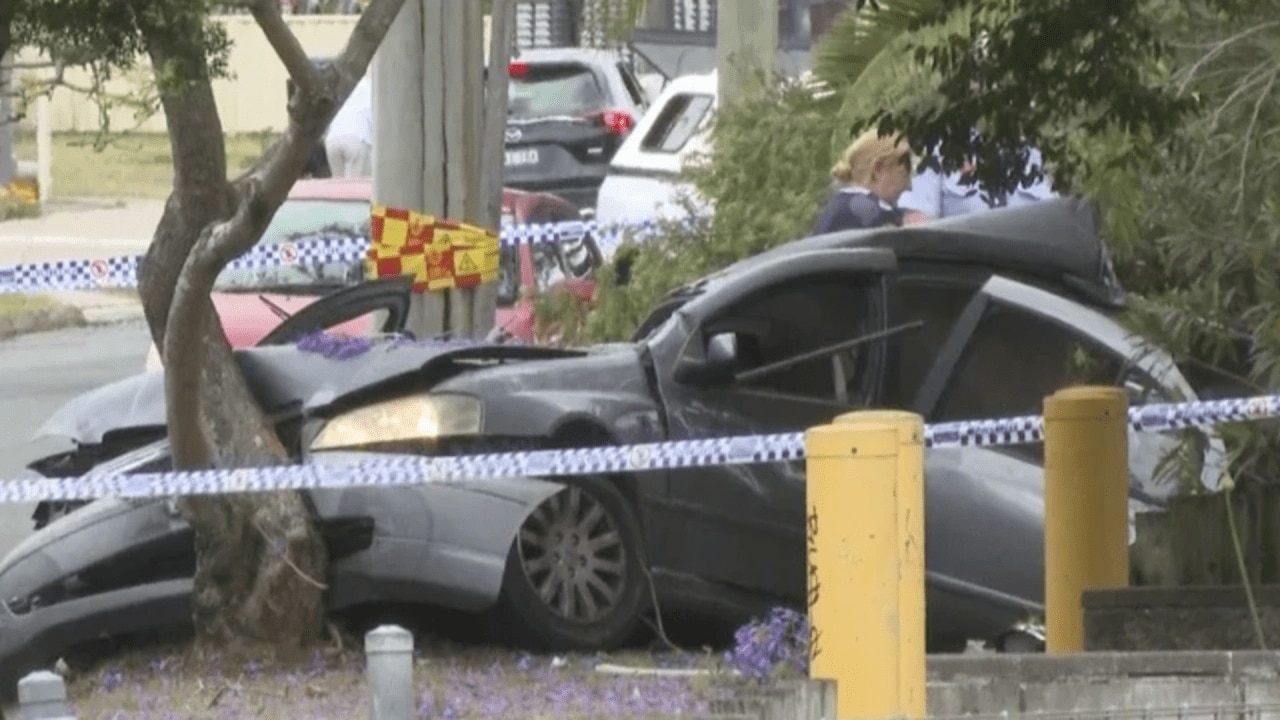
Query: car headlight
416	417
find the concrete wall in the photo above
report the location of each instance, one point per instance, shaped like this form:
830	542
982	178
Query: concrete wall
1188	685
253	100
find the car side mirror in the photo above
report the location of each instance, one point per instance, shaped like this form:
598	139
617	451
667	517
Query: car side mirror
716	367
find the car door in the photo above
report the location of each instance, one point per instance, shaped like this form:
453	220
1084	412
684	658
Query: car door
385	301
744	525
1012	345
1015	344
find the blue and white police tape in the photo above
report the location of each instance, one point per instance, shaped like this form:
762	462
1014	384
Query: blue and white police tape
390	471
122	271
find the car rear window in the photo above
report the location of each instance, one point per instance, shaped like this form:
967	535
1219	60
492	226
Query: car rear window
298	221
555	89
678	122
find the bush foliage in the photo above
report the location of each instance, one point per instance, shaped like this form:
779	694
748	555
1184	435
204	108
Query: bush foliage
767	180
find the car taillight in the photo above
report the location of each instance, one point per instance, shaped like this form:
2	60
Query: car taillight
617	122
517	68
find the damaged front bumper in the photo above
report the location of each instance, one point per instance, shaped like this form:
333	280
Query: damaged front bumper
34	640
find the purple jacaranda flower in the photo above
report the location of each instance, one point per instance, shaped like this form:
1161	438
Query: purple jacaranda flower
524	662
112	679
777	643
333	346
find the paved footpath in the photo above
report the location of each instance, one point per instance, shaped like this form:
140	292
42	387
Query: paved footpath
85	229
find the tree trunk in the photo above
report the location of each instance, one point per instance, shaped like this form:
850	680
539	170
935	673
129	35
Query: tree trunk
260	559
244	585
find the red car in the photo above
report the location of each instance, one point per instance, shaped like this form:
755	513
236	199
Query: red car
252	302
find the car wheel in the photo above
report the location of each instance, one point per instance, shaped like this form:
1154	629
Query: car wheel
573	579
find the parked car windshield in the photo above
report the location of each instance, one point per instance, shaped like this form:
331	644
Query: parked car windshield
299	221
550	90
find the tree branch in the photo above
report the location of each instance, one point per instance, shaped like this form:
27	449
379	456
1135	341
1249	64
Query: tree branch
285	43
266	186
286	158
365	39
186	327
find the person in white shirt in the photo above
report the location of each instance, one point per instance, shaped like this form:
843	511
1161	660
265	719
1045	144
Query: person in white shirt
349	141
932	196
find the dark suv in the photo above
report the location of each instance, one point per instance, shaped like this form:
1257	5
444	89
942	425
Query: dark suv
569	109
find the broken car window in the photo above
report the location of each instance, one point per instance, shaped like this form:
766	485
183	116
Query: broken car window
1014	360
936	304
801	317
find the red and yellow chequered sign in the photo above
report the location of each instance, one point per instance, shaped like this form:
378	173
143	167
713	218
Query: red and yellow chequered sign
438	254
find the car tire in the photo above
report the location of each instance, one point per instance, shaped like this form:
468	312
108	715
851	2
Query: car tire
619	594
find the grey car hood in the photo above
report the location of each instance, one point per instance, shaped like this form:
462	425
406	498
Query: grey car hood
280	377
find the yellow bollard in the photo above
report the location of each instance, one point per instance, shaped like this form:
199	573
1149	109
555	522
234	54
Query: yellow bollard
865	525
1086	505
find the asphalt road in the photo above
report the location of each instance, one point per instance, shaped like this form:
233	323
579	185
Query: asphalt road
42	371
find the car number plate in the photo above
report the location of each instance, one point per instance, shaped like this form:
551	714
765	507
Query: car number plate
522	157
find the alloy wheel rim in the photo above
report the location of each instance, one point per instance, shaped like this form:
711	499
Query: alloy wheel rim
572	555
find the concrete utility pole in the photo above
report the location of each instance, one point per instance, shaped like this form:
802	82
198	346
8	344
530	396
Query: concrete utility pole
438	135
8	162
746	44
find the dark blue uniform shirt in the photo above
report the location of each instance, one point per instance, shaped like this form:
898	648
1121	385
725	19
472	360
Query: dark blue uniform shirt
854	208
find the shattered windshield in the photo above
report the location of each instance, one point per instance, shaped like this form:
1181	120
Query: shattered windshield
299	221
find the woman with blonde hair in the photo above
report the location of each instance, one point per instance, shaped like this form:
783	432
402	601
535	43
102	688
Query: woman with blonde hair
871	175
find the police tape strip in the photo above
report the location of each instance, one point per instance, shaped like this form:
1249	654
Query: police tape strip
391	471
122	271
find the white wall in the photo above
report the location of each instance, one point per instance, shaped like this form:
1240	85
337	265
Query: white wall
252	100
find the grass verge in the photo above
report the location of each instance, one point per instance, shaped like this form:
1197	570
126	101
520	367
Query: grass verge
21	314
130	165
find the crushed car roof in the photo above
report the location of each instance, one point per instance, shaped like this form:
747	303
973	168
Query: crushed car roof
1056	238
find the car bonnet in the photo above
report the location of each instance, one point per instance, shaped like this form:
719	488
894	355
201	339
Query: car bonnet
283	378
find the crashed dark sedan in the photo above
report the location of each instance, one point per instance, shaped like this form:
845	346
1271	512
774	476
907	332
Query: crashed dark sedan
971	317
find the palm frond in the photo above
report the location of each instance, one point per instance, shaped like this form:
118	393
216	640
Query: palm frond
857	37
895	78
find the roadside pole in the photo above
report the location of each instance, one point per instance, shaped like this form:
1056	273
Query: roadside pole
864	528
746	44
398	153
1086	505
8	159
434	151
